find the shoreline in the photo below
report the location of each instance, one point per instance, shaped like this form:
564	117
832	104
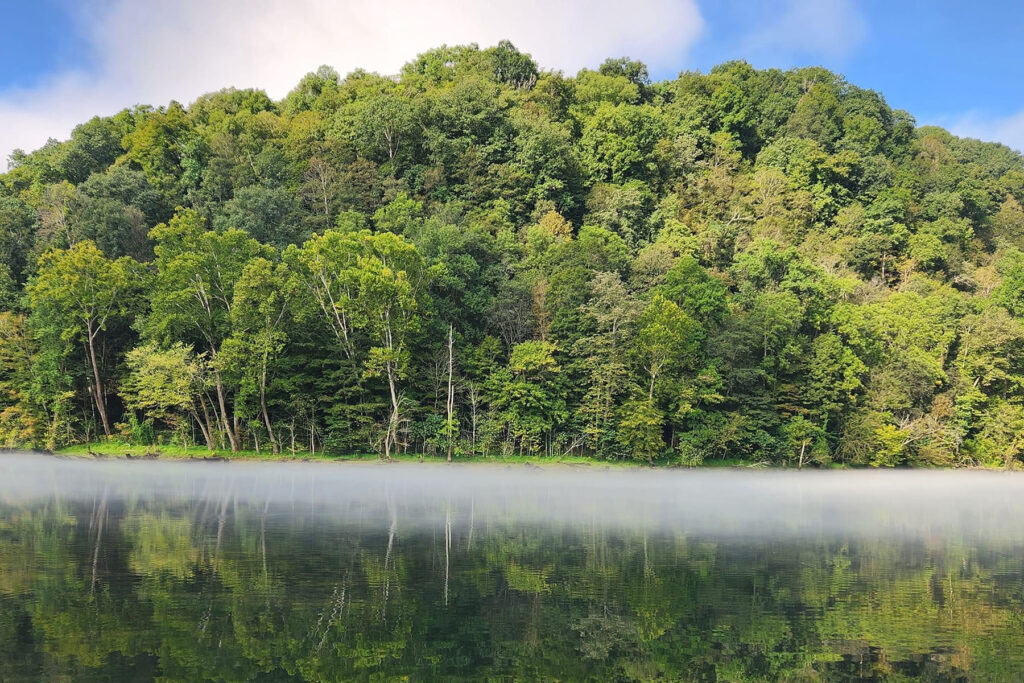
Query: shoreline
121	451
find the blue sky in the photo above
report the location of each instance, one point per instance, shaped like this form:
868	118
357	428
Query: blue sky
41	37
940	60
950	63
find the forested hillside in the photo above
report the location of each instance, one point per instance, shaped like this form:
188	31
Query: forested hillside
481	257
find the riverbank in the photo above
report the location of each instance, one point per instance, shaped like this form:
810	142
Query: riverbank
120	450
117	449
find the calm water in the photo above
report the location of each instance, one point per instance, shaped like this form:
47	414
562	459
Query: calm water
206	571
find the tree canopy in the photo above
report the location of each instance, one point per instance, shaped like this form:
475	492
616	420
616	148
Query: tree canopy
481	256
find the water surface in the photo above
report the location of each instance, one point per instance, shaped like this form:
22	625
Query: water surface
129	570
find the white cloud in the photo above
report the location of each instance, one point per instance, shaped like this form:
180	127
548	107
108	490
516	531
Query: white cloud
828	29
152	52
1008	130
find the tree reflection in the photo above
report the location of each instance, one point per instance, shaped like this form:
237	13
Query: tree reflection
216	586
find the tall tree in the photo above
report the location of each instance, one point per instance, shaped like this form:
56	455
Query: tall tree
263	299
78	293
390	296
193	295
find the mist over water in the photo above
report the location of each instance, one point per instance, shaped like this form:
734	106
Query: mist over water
910	503
121	569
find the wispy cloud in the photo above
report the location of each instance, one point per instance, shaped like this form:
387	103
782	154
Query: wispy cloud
804	29
1008	130
152	52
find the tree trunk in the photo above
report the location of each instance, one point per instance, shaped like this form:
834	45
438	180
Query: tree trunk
266	415
204	426
215	421
451	396
232	437
391	437
473	400
98	394
211	442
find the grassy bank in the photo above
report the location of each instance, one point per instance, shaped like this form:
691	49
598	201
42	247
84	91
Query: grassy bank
117	449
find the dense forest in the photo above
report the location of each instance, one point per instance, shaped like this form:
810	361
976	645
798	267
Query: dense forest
480	257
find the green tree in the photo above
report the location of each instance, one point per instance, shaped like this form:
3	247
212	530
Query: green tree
604	357
166	385
818	116
16	228
263	297
76	295
664	343
326	269
385	126
390	284
528	395
801	433
619	143
267	214
640	428
23	418
193	295
723	252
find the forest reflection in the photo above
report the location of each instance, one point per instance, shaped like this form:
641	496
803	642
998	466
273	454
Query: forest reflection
133	570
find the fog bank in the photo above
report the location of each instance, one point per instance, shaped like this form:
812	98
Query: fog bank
710	502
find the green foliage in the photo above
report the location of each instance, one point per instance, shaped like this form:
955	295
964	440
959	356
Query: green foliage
77	296
640	428
619	143
528	394
23	410
161	383
740	264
